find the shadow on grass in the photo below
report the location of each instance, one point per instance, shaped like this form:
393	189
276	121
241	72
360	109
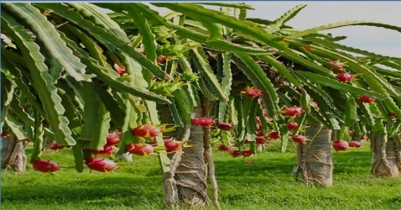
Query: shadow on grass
104	191
344	162
394	203
352	156
351	161
254	167
120	182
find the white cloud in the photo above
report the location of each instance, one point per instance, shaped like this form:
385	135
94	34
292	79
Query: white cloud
320	13
378	40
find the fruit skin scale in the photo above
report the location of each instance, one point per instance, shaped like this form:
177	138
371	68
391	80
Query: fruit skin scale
260	140
45	166
55	146
292	126
292	111
274	135
247	153
141	149
345	77
355	144
113	138
147	131
107	150
336	65
100	164
366	99
251	92
235	153
172	145
225	126
299	139
224	148
340	145
203	121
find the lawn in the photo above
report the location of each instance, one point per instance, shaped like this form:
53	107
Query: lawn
265	184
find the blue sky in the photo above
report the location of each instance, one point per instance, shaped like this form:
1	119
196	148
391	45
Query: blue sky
379	40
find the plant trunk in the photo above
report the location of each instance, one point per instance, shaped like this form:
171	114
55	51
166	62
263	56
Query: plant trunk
13	154
190	175
386	156
208	157
47	143
185	183
315	157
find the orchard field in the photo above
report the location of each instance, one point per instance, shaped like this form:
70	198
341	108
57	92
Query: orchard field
265	184
193	95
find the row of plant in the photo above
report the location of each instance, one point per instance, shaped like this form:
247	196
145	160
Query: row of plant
83	78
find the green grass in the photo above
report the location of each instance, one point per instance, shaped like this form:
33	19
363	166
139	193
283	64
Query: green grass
267	184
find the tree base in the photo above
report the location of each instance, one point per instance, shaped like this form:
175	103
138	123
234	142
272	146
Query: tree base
386	156
185	183
315	157
13	155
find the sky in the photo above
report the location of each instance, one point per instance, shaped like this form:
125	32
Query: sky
378	40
